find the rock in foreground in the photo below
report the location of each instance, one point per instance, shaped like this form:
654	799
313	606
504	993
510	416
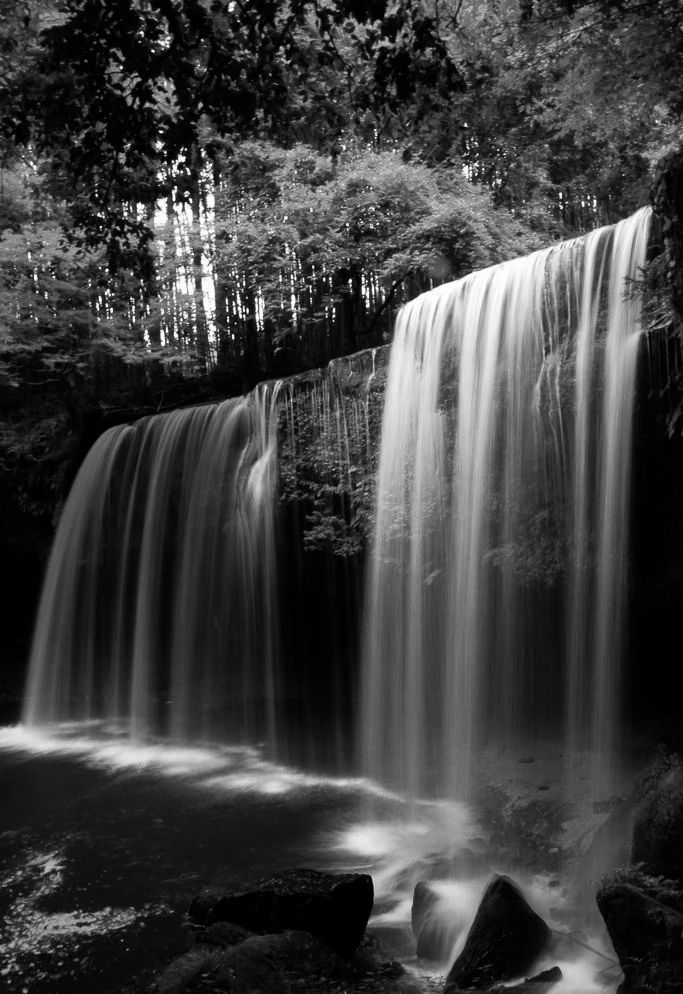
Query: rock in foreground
646	935
504	941
437	938
259	963
658	821
335	908
275	964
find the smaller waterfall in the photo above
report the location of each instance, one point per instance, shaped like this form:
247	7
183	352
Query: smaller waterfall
159	606
498	577
205	582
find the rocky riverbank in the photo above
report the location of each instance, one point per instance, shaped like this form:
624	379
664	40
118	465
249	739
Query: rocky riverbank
305	930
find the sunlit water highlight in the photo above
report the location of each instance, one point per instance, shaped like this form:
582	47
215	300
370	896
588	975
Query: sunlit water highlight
26	929
222	769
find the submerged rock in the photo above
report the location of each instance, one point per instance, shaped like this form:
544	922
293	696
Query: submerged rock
505	939
647	936
335	908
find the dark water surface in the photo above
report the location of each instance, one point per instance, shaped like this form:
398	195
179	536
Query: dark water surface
103	843
102	849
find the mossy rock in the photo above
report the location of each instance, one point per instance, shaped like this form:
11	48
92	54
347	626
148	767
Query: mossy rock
657	845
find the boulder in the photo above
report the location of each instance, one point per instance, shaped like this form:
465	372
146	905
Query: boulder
646	935
335	908
657	843
504	941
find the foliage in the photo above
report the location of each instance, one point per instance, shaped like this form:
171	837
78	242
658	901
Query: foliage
326	249
663	282
659	888
118	93
73	359
196	195
643	914
570	104
665	762
537	555
328	451
538	99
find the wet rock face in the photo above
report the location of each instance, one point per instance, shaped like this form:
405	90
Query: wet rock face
505	939
647	936
334	908
658	821
643	906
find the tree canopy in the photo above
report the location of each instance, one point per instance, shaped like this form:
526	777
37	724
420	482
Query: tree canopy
198	194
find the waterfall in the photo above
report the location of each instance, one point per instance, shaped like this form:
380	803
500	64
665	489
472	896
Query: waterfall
497	580
159	605
204	580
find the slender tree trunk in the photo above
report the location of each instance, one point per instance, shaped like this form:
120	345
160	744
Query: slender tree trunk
251	367
202	331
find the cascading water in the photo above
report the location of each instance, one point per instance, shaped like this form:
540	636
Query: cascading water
159	604
498	574
174	600
497	580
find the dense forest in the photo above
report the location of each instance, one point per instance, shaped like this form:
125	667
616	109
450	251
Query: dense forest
196	195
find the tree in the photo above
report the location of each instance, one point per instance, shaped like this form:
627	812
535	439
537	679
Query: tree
569	104
319	251
116	94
